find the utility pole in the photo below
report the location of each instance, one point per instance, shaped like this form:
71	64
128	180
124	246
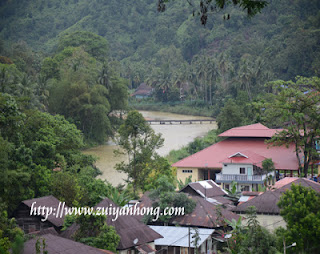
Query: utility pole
189	252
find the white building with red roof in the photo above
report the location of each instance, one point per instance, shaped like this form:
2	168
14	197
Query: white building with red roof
239	158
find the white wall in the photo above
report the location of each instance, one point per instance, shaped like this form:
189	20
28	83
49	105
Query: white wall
234	169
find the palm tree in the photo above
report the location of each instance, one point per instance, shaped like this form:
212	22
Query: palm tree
245	77
105	76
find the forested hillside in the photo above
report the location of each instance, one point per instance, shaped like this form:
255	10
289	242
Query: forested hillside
285	36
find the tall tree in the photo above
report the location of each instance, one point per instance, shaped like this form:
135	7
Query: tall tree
297	104
140	142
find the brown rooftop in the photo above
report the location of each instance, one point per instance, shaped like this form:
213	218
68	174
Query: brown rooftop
207	188
266	203
126	226
205	215
48	201
59	245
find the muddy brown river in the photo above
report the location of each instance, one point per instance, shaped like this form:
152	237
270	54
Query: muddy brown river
175	136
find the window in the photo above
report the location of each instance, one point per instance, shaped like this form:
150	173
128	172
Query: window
242	171
187	171
245	188
227	186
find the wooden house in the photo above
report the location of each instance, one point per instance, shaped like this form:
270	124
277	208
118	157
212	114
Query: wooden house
143	91
268	212
30	218
135	236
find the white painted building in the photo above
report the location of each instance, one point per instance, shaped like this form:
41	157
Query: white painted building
244	168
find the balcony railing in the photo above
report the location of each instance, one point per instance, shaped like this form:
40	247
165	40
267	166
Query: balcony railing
240	178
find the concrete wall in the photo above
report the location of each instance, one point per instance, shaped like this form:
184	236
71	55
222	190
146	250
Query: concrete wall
183	176
270	222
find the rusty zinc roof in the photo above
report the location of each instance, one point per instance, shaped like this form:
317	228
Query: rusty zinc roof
59	245
48	201
204	215
127	227
266	203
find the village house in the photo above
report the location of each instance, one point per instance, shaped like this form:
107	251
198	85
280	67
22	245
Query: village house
59	245
205	214
268	212
210	191
176	240
239	158
143	91
29	220
135	236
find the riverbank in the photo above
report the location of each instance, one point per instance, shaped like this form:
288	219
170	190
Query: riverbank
193	108
176	137
195	146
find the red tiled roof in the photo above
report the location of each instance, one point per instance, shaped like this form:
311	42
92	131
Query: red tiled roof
211	157
254	130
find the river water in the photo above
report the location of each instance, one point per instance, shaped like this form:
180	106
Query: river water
175	136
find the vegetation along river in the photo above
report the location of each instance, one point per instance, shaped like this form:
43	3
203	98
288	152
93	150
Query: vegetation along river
175	136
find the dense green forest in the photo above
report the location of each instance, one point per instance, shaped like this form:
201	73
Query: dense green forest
67	69
171	50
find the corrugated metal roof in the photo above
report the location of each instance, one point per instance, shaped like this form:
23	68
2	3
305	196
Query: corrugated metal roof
284	158
179	236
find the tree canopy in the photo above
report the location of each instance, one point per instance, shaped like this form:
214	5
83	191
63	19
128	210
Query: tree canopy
297	105
300	208
252	7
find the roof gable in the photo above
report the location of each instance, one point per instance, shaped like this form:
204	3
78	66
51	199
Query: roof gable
246	157
207	188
